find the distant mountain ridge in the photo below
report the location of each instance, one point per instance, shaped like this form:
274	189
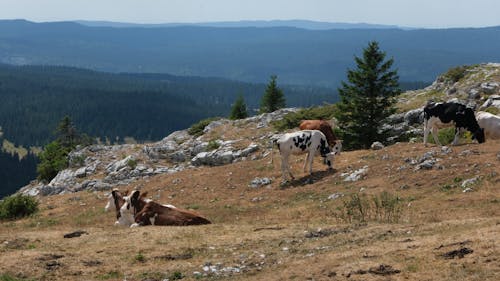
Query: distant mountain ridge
304	24
250	54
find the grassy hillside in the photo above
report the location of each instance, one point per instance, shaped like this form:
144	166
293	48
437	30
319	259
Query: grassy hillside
301	231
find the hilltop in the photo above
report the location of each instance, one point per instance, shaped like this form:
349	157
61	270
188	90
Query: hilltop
437	216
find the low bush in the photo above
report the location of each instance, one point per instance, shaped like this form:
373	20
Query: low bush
456	73
17	206
384	207
197	128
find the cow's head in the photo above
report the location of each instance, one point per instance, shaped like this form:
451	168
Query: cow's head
479	135
337	147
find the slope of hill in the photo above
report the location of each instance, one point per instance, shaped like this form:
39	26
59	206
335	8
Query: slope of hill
297	56
405	212
142	106
303	231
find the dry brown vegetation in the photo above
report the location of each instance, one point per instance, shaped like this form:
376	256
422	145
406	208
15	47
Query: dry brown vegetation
279	233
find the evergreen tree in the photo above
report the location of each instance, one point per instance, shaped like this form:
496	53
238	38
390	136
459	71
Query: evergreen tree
273	98
239	109
367	99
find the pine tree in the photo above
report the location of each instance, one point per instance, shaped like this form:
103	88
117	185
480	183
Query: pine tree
273	98
239	109
367	99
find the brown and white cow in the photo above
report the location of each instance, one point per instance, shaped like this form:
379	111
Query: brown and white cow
115	201
320	125
148	212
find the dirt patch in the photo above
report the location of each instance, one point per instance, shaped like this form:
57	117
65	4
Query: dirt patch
460	253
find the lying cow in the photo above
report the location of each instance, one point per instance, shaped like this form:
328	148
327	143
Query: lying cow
490	123
311	142
440	115
322	126
147	212
115	201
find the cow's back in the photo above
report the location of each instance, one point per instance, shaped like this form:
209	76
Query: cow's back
490	123
322	126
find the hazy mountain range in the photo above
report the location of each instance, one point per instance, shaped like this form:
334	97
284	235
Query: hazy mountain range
251	54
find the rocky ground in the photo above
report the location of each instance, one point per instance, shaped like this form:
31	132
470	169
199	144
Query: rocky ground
399	212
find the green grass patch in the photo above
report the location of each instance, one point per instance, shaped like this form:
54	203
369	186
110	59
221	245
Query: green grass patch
110	275
197	128
10	277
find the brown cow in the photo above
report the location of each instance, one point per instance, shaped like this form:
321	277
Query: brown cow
147	212
322	126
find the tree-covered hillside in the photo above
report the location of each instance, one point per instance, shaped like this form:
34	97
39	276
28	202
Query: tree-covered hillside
144	106
297	56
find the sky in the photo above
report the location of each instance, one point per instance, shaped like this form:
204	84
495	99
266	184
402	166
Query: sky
405	13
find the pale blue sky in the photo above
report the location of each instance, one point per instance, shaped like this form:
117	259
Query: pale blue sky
412	13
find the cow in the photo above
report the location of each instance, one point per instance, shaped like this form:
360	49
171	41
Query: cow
322	126
490	123
148	212
115	201
440	115
311	142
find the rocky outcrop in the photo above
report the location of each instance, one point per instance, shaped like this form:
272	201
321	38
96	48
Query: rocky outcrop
103	167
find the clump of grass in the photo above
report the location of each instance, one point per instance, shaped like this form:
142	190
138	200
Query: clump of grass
140	257
110	275
197	128
9	277
384	207
176	275
212	145
132	163
17	206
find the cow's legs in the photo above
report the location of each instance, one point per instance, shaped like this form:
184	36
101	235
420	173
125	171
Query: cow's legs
285	168
435	135
426	131
457	136
310	158
305	161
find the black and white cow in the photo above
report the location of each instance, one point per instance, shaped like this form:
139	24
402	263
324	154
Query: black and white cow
311	142
440	115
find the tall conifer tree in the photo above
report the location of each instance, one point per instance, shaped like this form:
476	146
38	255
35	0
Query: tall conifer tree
239	109
368	98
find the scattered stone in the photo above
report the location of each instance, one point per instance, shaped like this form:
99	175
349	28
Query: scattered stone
377	146
320	233
460	253
356	175
185	256
77	233
384	270
335	195
92	263
469	182
258	182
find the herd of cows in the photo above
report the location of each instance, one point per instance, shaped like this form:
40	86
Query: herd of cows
315	137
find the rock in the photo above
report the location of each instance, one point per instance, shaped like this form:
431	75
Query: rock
377	146
118	165
490	87
493	100
64	178
474	94
414	116
426	165
469	182
357	175
335	195
258	182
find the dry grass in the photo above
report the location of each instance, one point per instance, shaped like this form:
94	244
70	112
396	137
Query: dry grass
276	233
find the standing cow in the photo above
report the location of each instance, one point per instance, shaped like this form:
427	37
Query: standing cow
490	123
322	126
440	115
311	142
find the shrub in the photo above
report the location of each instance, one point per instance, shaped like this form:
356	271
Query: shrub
132	163
292	120
212	145
17	206
384	207
447	135
456	73
197	128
